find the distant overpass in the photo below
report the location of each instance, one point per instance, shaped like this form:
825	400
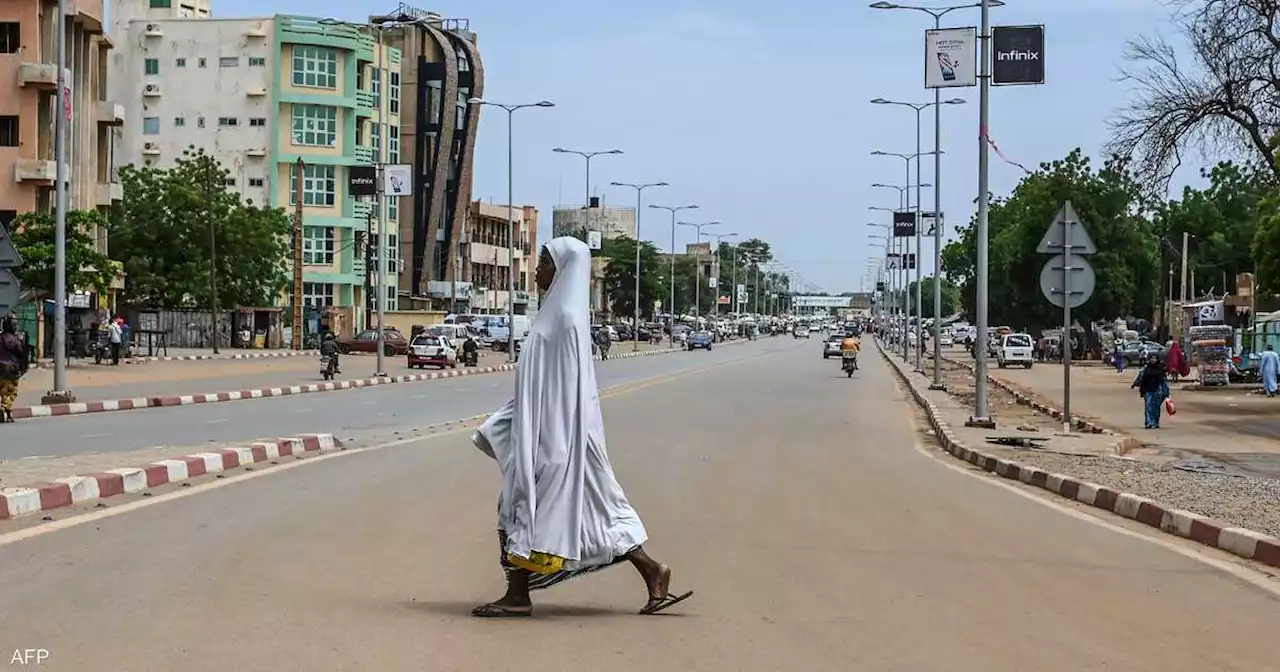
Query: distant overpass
809	305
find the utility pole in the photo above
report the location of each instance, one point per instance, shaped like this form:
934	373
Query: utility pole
297	255
60	391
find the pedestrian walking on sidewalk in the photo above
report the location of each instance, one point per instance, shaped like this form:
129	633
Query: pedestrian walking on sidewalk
115	332
13	366
561	513
1176	362
1153	386
1269	369
1117	357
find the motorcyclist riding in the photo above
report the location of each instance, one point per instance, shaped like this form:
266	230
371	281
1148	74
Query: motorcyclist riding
849	349
470	351
329	348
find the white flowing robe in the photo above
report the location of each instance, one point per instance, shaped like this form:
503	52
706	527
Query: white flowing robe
559	494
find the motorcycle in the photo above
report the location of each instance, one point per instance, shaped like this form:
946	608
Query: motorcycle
328	366
471	358
849	363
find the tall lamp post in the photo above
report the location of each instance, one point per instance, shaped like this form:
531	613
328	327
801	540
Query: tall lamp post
904	194
907	159
714	263
671	309
586	200
900	285
937	231
697	284
980	355
635	324
511	216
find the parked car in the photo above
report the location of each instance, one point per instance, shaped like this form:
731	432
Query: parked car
1014	350
700	340
455	334
432	350
831	347
946	340
394	343
1136	351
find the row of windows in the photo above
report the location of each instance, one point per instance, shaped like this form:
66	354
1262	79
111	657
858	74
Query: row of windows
319	246
320	295
151	125
319	188
151	66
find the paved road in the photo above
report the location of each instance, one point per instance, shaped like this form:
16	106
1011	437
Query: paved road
791	498
349	414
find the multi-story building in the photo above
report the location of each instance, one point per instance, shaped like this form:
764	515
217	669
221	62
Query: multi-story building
260	95
442	69
610	222
487	266
29	72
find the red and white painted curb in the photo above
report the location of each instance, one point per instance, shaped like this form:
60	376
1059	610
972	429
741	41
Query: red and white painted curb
108	405
1236	540
63	492
205	358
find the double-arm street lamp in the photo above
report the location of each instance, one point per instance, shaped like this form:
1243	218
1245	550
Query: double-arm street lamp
697	284
511	216
671	309
715	254
635	326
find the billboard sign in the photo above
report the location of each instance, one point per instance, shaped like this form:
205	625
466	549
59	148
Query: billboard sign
397	179
362	180
904	224
1018	55
950	58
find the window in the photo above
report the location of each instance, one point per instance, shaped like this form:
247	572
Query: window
202	63
200	122
179	122
151	126
257	62
258	121
375	86
393	95
464	63
10	37
375	139
315	66
317	245
393	210
230	181
393	245
434	100
315	125
461	107
393	144
257	182
151	66
317	294
180	63
391	298
227	121
161	4
8	131
318	186
229	62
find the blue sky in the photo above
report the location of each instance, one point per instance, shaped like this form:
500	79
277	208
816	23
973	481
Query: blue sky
759	113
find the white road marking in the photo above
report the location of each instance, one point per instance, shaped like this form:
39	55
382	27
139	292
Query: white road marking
216	421
94	436
303	410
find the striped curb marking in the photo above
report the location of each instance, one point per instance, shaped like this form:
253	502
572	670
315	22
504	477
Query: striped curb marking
1028	400
63	492
195	358
108	405
1237	540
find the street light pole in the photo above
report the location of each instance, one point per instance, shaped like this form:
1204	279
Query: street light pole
511	216
714	263
60	216
697	284
586	201
671	309
635	324
906	294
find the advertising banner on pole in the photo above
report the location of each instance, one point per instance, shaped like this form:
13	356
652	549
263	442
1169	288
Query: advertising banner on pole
397	179
1018	55
593	240
362	180
904	224
950	58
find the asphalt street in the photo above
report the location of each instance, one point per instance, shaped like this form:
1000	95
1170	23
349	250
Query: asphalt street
795	501
350	414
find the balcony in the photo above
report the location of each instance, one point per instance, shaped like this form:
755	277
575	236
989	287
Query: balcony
364	103
357	265
361	210
365	154
35	170
109	113
40	75
109	193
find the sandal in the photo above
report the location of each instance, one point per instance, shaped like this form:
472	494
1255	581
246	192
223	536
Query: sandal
495	610
657	604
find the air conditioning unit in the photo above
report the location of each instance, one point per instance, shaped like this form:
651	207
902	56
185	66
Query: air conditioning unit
153	30
151	90
151	148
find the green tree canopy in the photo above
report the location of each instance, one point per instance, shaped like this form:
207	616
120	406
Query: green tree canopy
1111	207
173	220
950	296
620	276
33	235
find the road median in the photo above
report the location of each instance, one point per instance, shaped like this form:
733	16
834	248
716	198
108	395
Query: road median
1237	517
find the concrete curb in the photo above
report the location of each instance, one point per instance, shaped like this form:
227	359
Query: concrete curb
108	405
1236	540
202	358
1028	400
63	492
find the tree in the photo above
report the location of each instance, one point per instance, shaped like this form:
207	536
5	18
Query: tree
1225	98
33	235
950	296
620	276
1266	243
1109	203
162	234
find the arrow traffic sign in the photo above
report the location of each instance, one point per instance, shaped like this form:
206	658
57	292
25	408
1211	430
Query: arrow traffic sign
1054	240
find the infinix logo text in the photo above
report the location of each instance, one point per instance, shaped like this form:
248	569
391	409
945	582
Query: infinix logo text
1018	55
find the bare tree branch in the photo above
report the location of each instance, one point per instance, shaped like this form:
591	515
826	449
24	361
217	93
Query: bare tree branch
1223	101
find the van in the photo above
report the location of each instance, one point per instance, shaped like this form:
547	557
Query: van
497	327
455	334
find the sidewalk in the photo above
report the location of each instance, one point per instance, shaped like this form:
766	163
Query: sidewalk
1234	514
183	355
1235	428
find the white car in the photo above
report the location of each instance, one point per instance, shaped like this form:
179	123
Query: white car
802	332
432	350
946	340
1014	350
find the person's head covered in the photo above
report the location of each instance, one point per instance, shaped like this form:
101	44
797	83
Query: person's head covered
564	274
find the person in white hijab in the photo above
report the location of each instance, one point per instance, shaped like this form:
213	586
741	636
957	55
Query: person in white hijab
561	513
